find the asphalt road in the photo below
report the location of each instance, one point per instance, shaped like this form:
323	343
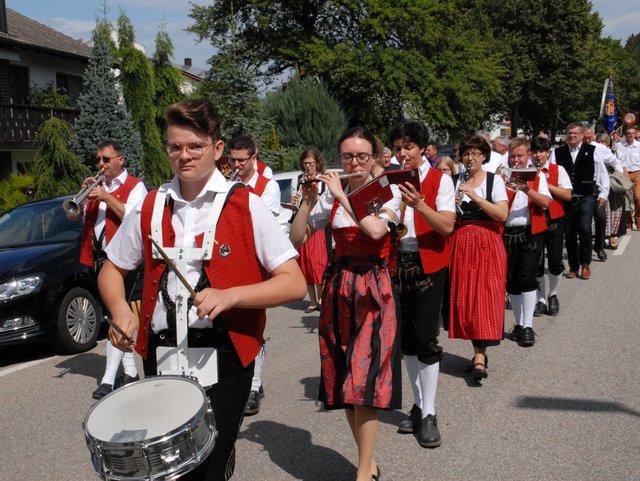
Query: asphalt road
566	409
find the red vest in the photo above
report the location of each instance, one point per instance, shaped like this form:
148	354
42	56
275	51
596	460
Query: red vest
435	252
556	211
536	213
261	184
260	167
240	267
112	220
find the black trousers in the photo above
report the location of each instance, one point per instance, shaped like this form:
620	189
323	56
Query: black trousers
523	259
553	243
577	231
600	221
228	398
420	305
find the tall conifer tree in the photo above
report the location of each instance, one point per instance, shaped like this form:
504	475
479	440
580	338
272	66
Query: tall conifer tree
137	80
168	78
102	114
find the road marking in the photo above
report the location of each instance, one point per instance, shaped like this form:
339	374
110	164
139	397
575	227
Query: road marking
624	242
24	365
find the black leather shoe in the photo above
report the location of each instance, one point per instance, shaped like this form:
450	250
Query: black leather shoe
540	309
411	425
528	337
253	404
516	333
261	392
553	306
602	255
429	436
102	391
126	379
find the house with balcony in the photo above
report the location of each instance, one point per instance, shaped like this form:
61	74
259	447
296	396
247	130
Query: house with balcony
33	55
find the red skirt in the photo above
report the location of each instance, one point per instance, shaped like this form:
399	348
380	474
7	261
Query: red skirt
359	336
478	282
313	257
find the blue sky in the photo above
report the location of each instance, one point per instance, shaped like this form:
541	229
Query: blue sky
76	18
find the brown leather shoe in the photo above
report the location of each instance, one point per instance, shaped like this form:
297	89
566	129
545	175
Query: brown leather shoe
571	274
585	272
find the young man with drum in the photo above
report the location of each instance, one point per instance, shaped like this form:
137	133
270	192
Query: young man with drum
252	266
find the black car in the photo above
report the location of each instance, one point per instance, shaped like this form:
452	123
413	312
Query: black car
45	293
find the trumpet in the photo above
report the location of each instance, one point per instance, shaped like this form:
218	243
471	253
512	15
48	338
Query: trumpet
73	207
311	180
509	182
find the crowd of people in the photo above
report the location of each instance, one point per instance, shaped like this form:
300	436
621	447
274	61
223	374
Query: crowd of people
451	249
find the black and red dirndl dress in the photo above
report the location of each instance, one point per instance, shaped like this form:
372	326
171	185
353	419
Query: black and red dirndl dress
359	330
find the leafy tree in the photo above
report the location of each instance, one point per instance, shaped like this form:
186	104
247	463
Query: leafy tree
555	61
57	169
626	71
167	77
102	114
137	80
16	190
380	59
304	113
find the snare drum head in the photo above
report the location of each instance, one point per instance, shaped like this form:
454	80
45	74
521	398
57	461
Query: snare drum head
145	409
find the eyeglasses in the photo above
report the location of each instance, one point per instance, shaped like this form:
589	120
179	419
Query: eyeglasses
473	155
195	150
361	157
106	159
240	160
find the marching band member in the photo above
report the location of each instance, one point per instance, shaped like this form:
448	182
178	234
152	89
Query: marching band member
420	275
358	328
523	241
243	152
252	267
478	259
559	185
107	205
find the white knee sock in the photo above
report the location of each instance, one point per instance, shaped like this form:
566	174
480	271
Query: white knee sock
554	284
542	297
528	306
516	305
413	370
429	386
129	364
114	356
256	382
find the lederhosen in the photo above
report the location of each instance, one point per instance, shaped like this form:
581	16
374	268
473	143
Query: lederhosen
524	247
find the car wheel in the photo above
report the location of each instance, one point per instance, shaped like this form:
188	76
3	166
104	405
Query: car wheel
78	323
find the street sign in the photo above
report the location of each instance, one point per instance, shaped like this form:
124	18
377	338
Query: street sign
630	118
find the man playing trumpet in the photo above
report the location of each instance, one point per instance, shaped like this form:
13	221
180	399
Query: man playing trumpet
107	205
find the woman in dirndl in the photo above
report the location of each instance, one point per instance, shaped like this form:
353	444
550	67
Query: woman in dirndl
358	327
478	266
313	253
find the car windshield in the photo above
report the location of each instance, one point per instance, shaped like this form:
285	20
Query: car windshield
38	223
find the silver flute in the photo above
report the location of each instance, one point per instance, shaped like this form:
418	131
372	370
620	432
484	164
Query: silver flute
343	176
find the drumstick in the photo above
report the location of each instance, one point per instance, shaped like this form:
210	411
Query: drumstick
173	267
119	330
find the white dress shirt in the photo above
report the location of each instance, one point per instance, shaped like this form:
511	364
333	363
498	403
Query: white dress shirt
519	213
126	249
271	194
445	201
629	154
138	193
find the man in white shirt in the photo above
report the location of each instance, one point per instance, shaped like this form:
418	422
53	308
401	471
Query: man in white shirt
108	203
628	151
590	181
243	153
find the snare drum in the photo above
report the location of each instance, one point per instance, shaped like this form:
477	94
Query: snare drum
155	429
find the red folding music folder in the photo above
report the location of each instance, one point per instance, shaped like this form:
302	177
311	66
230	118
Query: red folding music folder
369	198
